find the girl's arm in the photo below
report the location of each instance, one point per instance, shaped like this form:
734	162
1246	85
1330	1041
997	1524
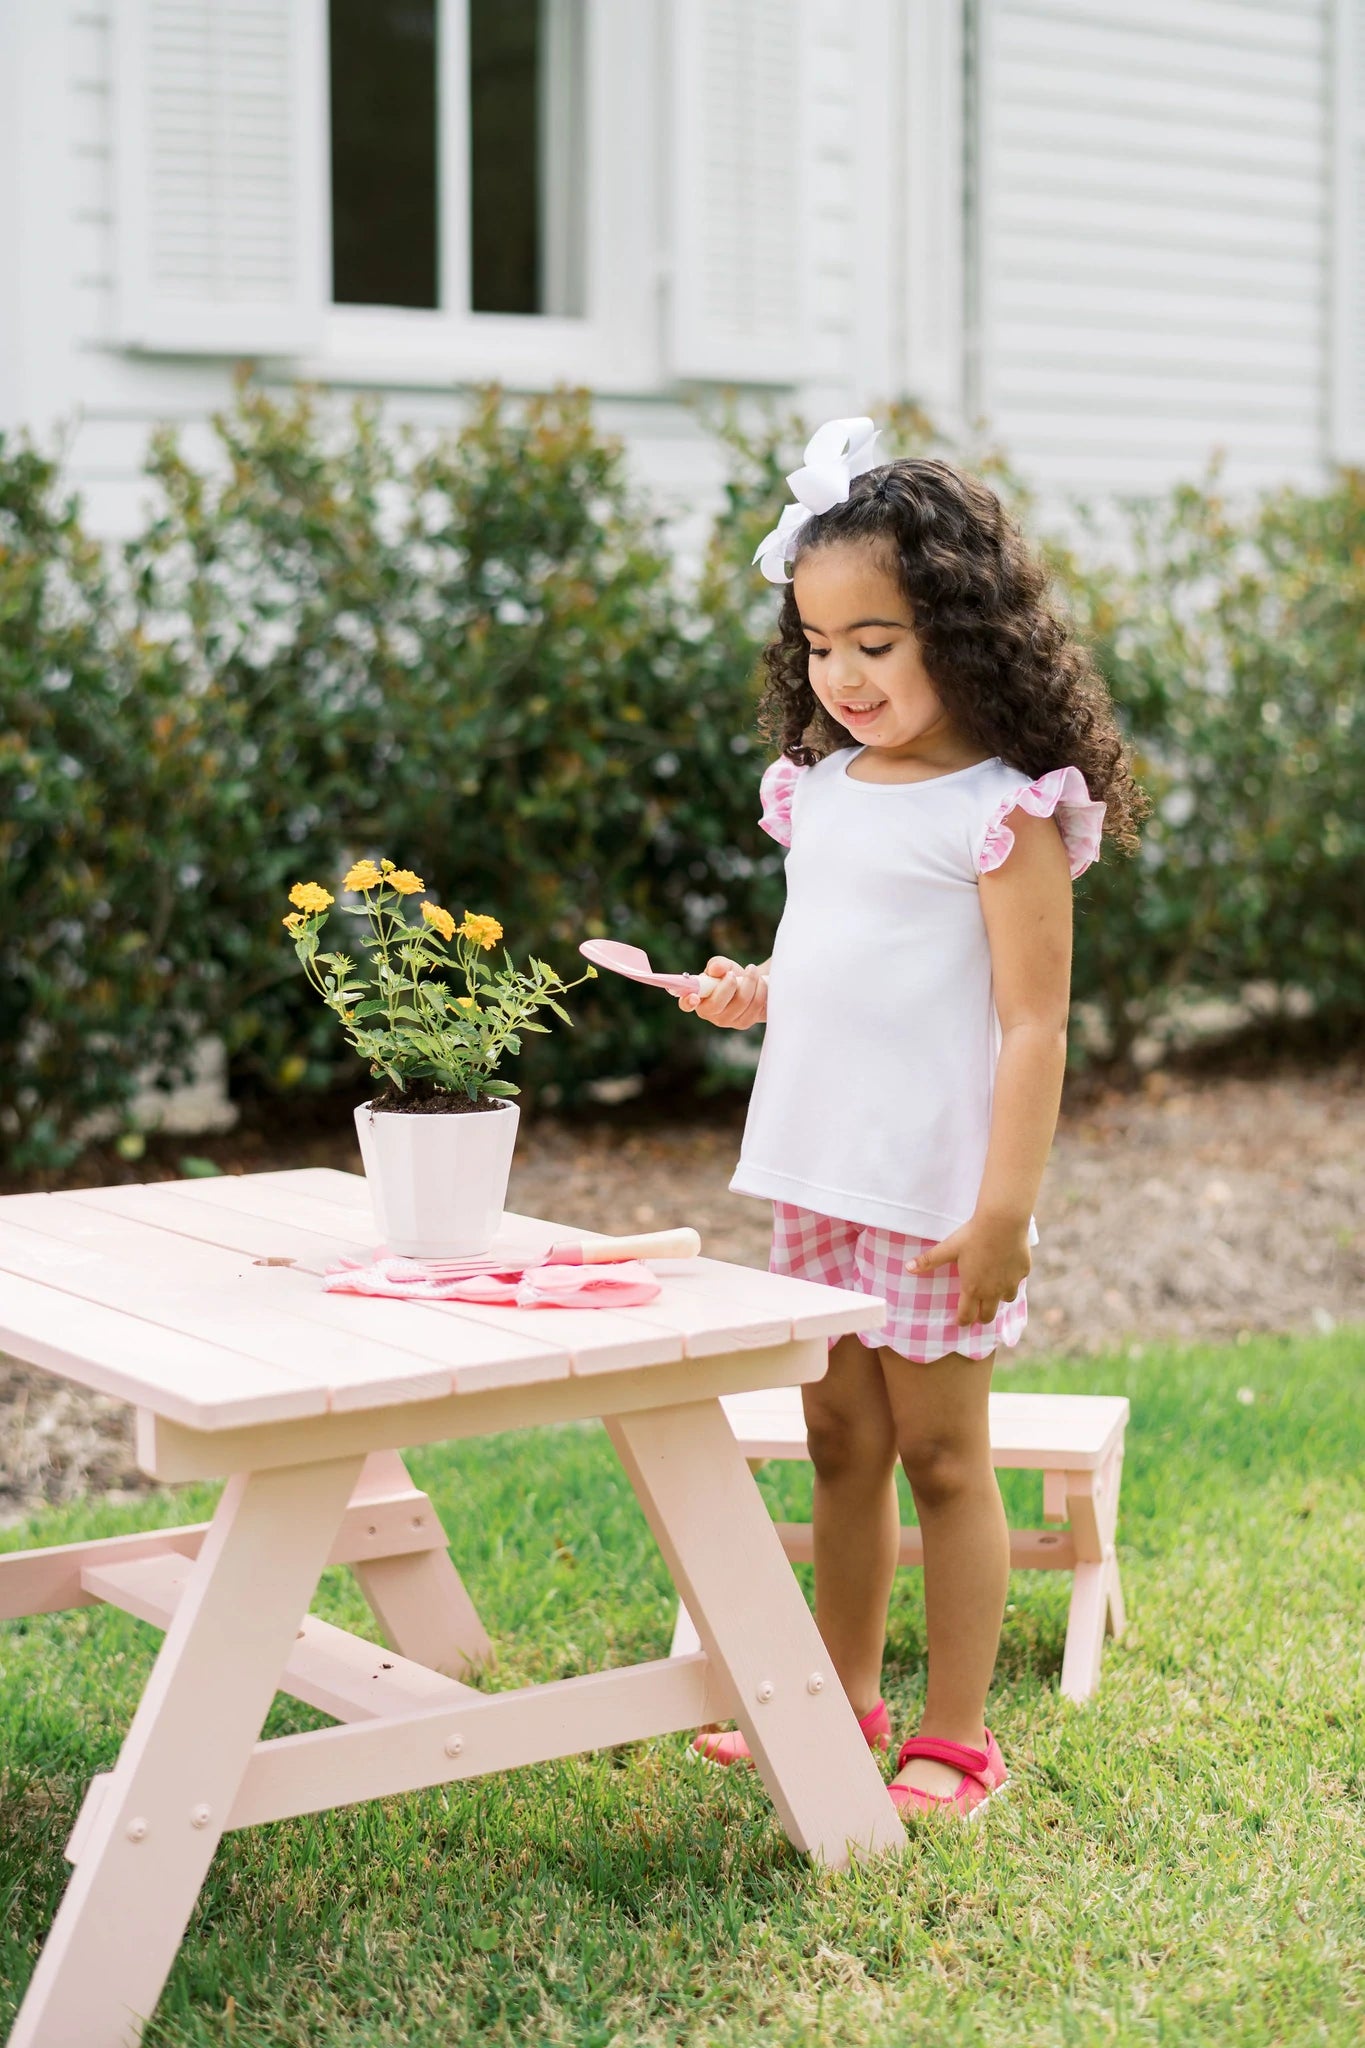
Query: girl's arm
1026	903
741	999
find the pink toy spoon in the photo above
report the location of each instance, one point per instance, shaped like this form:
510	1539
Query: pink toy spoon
633	962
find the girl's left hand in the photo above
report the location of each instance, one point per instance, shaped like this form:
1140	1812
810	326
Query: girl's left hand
992	1258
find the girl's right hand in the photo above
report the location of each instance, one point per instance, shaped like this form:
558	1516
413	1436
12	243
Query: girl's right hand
741	999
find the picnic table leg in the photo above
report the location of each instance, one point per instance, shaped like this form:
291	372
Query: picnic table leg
147	1850
686	1642
719	1543
1092	1502
419	1599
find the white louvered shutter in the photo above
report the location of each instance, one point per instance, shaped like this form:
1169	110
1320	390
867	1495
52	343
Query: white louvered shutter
1152	238
739	148
1348	338
221	225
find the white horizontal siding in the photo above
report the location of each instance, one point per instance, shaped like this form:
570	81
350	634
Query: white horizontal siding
1348	282
1154	236
90	167
828	238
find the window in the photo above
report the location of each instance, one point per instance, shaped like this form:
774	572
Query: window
525	184
510	160
382	61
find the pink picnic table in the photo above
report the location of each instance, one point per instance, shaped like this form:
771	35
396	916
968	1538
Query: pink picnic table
199	1303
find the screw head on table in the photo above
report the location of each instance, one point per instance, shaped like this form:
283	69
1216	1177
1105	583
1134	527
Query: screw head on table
816	1682
765	1692
454	1744
199	1816
137	1830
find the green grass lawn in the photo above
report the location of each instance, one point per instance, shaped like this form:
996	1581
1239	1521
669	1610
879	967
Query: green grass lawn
1181	1861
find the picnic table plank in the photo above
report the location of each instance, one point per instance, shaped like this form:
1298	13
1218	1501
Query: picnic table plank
1031	1432
276	1201
102	1259
105	1348
479	1357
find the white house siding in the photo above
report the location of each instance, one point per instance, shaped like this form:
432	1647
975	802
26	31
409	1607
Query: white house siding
59	374
1154	237
1152	257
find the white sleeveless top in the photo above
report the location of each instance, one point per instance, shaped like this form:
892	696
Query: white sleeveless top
872	1100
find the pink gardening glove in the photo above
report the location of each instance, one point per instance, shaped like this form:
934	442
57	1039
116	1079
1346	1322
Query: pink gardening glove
628	1284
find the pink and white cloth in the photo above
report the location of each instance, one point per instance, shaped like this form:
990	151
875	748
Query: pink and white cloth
921	1322
626	1284
1061	794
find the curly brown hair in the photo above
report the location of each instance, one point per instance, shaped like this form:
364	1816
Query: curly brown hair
1003	659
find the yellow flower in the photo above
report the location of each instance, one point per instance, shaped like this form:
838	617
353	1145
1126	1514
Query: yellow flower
440	919
310	896
294	920
364	875
465	1002
484	931
387	866
405	881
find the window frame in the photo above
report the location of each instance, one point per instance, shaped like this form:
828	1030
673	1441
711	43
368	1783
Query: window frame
616	343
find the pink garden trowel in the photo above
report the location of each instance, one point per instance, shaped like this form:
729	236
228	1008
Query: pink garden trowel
633	962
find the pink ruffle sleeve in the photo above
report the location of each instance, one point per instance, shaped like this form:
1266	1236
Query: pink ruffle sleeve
776	791
1060	794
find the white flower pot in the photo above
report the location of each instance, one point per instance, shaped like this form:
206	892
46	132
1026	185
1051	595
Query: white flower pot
438	1182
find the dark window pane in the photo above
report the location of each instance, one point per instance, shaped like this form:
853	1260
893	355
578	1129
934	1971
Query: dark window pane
504	54
526	156
383	77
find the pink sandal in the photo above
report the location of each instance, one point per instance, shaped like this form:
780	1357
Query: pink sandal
731	1748
984	1770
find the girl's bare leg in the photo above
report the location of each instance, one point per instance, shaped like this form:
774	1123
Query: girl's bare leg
856	1521
942	1430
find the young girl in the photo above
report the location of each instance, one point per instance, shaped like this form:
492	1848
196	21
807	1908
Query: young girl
949	760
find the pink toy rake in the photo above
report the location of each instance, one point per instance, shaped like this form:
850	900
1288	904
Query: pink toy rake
633	962
683	1243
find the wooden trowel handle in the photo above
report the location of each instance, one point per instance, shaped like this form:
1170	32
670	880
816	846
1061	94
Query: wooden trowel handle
651	1244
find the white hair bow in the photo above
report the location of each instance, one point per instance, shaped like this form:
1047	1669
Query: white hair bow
835	454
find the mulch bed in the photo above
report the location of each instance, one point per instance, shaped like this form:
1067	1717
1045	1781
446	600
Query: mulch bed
1189	1210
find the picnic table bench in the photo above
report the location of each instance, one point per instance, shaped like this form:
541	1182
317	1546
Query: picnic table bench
199	1302
1074	1440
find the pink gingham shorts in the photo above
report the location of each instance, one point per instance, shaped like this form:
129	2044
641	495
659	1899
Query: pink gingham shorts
922	1321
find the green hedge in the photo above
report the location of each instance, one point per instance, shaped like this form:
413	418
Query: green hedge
473	653
1234	643
101	953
